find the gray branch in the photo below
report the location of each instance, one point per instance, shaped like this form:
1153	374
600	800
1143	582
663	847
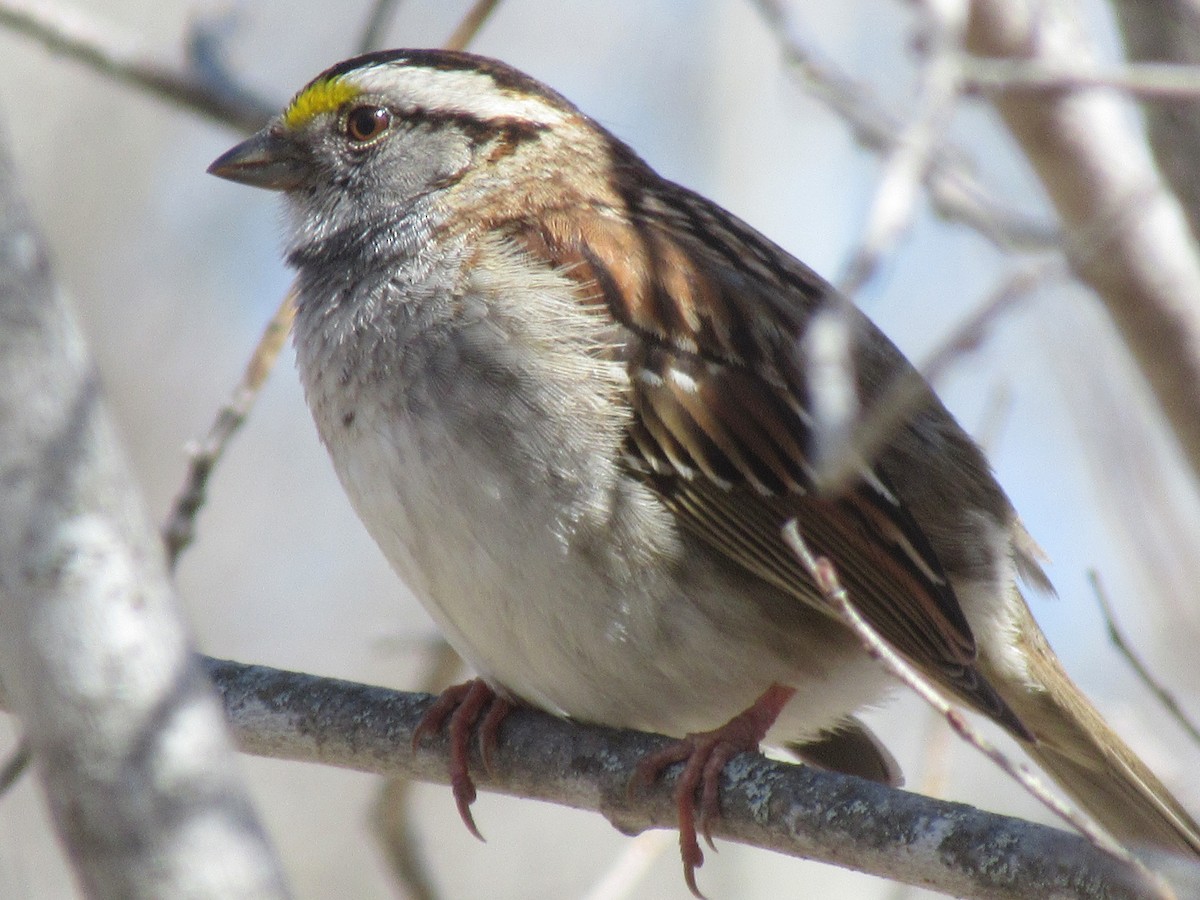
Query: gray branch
203	86
1168	31
125	734
797	810
954	190
1126	235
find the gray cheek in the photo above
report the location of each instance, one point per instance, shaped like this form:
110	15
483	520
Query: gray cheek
420	161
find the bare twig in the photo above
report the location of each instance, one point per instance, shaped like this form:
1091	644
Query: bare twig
908	160
180	527
901	396
955	192
17	765
1129	239
797	810
1125	648
826	578
470	24
831	335
87	39
377	25
1147	81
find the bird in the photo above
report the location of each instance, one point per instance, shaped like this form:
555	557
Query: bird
571	402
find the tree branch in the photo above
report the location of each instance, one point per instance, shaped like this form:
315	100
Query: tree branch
791	809
180	528
203	88
126	736
955	192
908	161
378	22
1150	80
1166	34
1128	239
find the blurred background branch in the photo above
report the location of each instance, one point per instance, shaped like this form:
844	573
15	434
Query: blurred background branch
203	85
1128	239
1167	33
127	739
282	553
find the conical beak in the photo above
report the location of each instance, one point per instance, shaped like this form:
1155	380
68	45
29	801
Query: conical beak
267	160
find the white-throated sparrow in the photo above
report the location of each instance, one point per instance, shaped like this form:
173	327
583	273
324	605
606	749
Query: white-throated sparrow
568	399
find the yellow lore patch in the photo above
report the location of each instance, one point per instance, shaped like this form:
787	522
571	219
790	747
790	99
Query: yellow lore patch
319	97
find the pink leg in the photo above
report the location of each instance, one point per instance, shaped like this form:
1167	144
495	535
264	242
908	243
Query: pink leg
704	755
463	704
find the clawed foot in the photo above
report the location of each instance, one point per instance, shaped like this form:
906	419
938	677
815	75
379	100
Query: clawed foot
475	706
464	705
704	755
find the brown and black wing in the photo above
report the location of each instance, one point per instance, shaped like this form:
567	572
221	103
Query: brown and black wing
720	428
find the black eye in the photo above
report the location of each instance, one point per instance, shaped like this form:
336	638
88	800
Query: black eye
365	123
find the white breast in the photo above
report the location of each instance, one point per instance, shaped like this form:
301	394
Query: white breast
484	462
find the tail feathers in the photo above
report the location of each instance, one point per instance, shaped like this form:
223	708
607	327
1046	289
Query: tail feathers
1075	746
852	749
1125	798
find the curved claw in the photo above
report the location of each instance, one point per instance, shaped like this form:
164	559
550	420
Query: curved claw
462	706
705	755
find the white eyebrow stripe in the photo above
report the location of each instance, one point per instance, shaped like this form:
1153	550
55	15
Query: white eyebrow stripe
455	92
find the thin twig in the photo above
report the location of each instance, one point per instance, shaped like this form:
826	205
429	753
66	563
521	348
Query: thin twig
1145	80
908	160
100	45
955	192
180	527
16	766
470	24
826	578
377	25
831	336
1125	648
906	391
